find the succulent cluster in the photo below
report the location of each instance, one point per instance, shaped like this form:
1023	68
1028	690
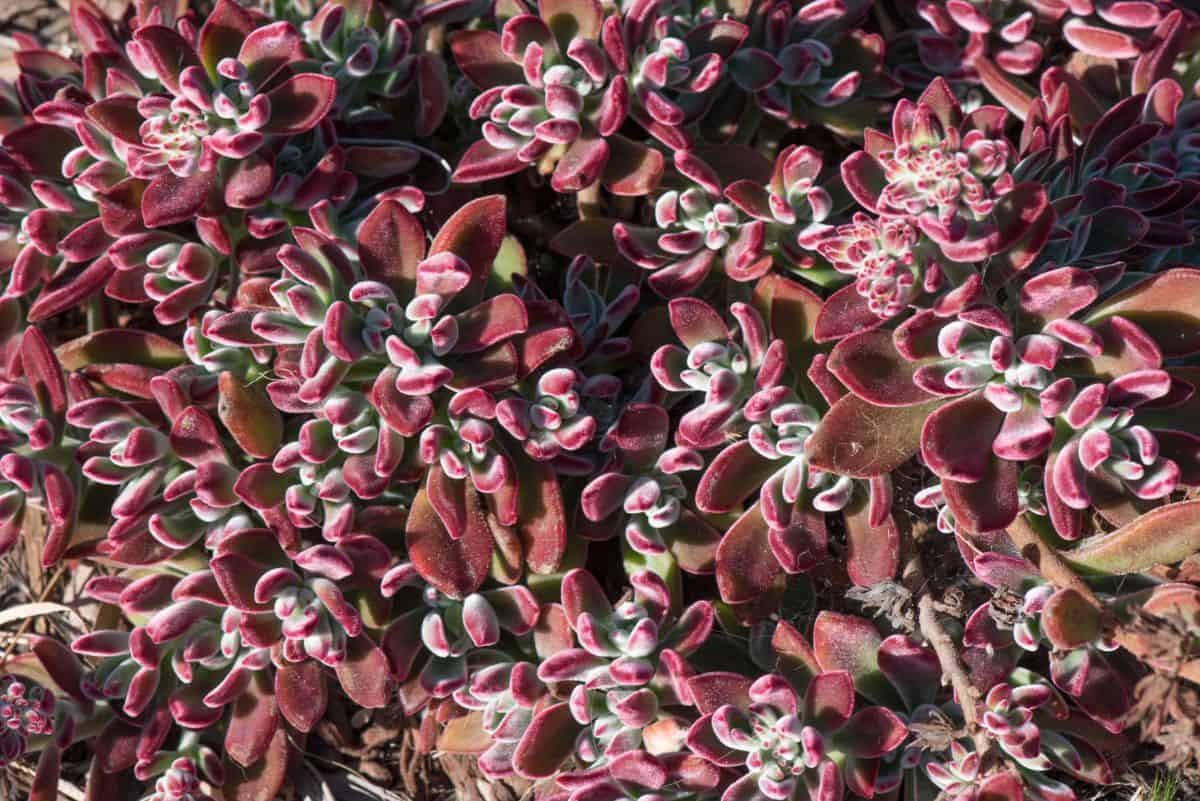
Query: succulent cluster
826	309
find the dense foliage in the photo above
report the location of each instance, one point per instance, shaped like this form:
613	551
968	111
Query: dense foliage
670	400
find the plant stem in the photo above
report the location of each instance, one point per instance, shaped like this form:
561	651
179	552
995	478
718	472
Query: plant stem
1052	567
1047	560
588	201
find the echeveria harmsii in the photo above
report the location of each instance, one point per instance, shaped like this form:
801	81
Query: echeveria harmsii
740	220
316	411
645	498
1011	33
949	173
553	90
787	740
25	710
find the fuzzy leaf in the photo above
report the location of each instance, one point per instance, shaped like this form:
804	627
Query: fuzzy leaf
873	552
733	476
956	440
300	103
746	565
302	693
1162	536
464	735
1069	620
391	243
858	439
263	780
474	233
254	723
849	643
1165	306
248	415
547	742
479	55
989	504
457	567
364	674
871	367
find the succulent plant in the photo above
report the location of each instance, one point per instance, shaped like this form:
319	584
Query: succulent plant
570	381
557	91
24	711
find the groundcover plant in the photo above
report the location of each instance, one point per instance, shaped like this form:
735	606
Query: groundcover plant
662	400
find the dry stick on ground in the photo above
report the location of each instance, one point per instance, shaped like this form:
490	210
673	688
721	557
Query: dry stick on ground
27	622
915	579
952	668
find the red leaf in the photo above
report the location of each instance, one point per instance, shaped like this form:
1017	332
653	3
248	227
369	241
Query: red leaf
302	693
364	674
119	116
482	162
169	53
455	567
299	103
581	165
489	322
263	780
632	169
1070	621
479	55
871	367
858	439
711	691
40	148
391	243
1165	305
254	723
169	199
44	786
547	742
987	505
845	312
249	416
43	373
474	233
70	288
222	34
746	565
873	552
268	49
541	519
956	441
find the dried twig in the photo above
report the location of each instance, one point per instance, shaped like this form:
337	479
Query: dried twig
28	621
952	668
